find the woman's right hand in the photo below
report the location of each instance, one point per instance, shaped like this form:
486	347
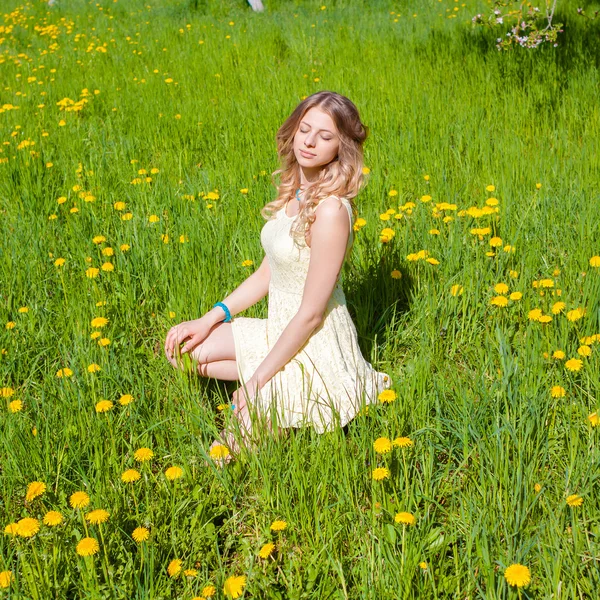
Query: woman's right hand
191	332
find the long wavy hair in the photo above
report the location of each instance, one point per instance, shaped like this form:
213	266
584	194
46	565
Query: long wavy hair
342	177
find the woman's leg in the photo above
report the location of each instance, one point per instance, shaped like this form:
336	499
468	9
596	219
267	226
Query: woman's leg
220	369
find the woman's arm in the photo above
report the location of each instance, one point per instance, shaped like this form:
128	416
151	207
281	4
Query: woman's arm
247	294
329	237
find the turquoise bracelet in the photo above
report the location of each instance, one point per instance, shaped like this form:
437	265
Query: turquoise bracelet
227	313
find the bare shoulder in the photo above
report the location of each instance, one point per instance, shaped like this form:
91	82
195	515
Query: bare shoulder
330	207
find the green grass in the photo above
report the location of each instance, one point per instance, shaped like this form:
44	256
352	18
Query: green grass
472	380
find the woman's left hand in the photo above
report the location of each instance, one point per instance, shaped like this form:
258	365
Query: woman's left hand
242	396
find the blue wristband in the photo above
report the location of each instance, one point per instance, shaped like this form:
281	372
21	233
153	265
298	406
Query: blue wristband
227	313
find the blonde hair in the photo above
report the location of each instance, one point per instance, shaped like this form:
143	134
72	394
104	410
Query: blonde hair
342	177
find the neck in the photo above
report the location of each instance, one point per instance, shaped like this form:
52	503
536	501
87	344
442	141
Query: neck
308	175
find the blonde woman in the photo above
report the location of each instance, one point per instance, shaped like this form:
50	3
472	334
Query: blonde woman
302	364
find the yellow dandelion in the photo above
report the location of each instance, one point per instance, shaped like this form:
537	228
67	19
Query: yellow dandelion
517	575
594	419
11	529
5	579
456	290
219	451
558	354
103	406
402	442
516	296
405	518
380	473
501	288
396	274
490	188
574	500
130	476
97	517
278	525
595	261
79	500
59	262
387	396
576	314
140	534
425	198
27	527
174	567
6	392
99	322
558	392
209	590
93	368
423	565
88	546
66	372
584	350
557	307
574	364
35	489
173	473
266	550
234	586
545	319
143	454
382	445
500	301
190	572
538	488
15	406
125	399
535	314
53	518
92	272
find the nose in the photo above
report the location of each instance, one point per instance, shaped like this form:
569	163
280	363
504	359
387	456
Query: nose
309	141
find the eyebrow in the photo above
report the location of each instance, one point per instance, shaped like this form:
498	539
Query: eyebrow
309	125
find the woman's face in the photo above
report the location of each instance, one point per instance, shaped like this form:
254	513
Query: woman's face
316	141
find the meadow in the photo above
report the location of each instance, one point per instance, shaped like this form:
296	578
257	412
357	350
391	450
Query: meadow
137	146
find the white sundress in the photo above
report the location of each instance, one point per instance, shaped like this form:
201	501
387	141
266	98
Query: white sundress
328	381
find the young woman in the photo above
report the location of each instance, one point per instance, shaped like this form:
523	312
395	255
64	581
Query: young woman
302	364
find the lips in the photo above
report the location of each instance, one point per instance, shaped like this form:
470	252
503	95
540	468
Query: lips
307	154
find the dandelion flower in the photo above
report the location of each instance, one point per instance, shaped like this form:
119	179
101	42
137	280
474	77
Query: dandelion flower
594	419
15	406
266	550
88	546
380	473
574	364
130	476
209	590
495	242
174	567
103	406
490	188
558	392
402	442
576	314
140	534
574	500
173	473
382	445
278	525
96	517
501	288
518	575
92	272
93	368
11	529
423	565
595	261
535	314
234	586
190	572
499	301
516	296
538	488
219	451
125	399
456	290
405	518
584	350
387	396
99	322
53	518
27	527
5	579
143	454
558	354
6	392
35	489
79	500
